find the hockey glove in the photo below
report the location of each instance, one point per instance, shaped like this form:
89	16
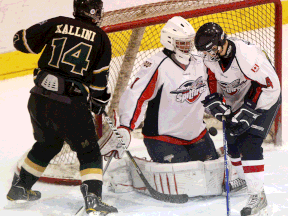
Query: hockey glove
243	119
98	104
214	104
109	142
113	144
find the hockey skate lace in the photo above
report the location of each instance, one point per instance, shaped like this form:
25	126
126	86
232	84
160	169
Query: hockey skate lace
253	200
105	204
31	192
237	183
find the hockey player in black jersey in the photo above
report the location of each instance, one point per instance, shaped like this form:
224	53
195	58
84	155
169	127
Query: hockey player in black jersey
249	83
70	82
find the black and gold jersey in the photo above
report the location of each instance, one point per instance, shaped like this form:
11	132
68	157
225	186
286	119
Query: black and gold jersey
74	49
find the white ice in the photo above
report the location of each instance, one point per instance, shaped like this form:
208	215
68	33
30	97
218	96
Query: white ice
16	137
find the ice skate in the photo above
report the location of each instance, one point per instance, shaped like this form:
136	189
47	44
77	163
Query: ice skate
18	195
94	204
236	186
256	205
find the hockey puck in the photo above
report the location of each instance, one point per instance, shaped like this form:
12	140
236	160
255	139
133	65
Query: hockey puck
213	131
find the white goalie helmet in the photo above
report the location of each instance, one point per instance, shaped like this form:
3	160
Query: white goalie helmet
178	35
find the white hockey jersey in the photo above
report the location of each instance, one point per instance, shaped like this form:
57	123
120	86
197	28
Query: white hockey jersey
169	98
248	74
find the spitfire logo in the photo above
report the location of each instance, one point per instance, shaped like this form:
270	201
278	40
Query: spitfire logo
233	87
190	91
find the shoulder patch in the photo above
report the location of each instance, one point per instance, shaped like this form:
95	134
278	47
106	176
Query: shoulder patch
147	64
255	68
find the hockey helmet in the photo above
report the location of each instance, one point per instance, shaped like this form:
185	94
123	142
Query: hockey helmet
209	38
178	36
89	10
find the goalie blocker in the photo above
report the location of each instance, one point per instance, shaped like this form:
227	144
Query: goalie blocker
194	178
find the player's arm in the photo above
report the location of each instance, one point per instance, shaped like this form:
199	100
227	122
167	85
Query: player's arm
255	66
99	93
143	89
263	93
33	39
213	102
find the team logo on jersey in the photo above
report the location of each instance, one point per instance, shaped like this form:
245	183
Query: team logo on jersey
190	91
233	87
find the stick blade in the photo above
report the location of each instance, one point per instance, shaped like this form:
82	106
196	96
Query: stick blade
171	198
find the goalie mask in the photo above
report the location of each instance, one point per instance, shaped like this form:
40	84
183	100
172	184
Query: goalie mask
178	36
209	39
90	10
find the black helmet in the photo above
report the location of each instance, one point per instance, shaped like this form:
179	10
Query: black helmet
89	10
209	35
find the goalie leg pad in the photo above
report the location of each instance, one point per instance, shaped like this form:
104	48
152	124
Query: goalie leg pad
192	178
119	177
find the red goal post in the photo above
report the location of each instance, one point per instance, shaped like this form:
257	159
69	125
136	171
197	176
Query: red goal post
135	35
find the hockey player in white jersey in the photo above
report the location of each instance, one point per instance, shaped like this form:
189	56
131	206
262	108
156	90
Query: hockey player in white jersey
248	82
167	93
169	88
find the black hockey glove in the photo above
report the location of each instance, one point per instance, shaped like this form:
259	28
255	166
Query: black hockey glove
214	104
243	119
98	106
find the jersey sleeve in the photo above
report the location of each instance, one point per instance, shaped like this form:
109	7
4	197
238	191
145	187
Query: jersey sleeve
265	88
143	89
100	75
33	39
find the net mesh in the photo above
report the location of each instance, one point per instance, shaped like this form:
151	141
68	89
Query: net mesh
135	35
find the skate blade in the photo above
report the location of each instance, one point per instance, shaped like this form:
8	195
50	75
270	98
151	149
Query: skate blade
17	204
101	214
262	212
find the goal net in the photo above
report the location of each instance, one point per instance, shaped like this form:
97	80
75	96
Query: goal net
135	35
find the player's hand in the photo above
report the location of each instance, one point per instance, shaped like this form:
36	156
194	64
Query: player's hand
113	144
243	119
98	106
214	103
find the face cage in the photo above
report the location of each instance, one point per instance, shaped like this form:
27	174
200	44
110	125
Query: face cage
210	55
185	46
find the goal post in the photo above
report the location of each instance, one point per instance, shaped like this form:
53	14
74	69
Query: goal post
135	35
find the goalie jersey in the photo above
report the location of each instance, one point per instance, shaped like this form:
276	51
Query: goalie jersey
249	74
169	98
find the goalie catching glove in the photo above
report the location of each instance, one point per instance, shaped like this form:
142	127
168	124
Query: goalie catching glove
243	119
214	103
109	142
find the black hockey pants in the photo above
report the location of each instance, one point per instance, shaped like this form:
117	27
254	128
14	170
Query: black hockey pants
55	122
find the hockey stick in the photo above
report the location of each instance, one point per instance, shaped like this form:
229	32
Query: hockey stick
226	166
180	198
